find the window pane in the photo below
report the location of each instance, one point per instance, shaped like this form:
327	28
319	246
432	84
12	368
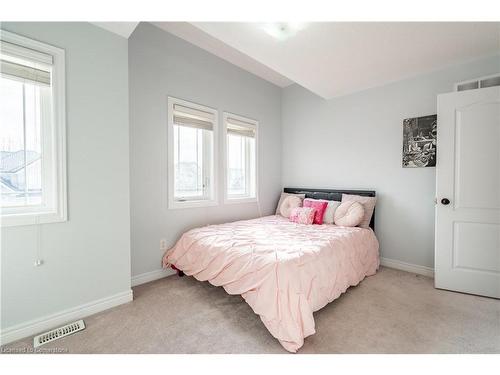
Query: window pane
20	146
188	161
33	145
236	168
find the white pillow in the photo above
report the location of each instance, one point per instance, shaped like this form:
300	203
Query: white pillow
288	202
368	204
349	214
328	217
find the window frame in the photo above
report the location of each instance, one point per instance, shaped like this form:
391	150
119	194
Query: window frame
212	198
53	141
244	199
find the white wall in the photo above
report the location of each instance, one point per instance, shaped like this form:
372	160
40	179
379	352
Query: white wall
88	257
162	65
355	141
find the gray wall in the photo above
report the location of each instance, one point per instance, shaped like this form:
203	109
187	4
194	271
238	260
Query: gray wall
355	141
87	257
160	65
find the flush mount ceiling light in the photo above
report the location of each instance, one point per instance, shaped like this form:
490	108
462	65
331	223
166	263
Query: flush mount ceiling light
282	30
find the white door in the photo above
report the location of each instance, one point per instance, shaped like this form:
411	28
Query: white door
467	253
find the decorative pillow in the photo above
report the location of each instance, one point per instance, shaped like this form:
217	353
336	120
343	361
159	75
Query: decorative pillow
367	202
303	215
330	211
349	214
320	206
287	202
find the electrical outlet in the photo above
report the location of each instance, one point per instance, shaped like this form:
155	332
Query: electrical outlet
163	244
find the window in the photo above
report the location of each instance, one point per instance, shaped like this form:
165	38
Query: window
241	158
32	136
191	154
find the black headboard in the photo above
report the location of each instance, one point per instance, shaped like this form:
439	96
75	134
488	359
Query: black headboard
332	195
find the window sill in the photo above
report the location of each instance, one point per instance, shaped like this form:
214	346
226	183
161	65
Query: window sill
240	200
32	218
174	205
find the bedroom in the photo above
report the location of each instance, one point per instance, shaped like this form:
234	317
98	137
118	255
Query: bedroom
250	187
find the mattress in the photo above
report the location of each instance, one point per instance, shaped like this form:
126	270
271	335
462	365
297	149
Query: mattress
284	271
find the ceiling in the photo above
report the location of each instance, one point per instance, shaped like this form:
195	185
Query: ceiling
337	58
333	59
198	37
124	29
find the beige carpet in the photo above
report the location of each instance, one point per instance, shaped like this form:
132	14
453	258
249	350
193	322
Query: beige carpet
391	312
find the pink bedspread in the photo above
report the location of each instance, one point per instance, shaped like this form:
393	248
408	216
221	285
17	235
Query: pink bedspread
284	271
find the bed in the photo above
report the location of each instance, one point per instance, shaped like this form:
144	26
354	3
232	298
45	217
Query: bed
284	271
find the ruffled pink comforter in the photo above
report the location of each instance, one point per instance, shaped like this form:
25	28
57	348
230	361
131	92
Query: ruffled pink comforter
284	271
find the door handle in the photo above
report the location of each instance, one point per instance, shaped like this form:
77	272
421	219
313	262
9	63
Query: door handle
445	201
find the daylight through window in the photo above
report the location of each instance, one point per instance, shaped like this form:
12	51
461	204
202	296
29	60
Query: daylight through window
192	153
32	132
241	138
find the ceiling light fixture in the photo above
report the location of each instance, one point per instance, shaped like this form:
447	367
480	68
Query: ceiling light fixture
283	30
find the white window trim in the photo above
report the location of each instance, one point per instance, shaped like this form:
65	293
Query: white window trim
59	213
233	200
175	204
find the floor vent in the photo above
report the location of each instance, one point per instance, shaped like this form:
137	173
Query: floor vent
57	333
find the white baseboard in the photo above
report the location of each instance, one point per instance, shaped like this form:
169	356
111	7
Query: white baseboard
151	276
408	267
45	323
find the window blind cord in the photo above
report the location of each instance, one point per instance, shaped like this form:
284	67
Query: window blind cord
38	260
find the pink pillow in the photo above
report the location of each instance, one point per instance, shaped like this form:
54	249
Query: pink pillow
320	207
349	214
303	215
